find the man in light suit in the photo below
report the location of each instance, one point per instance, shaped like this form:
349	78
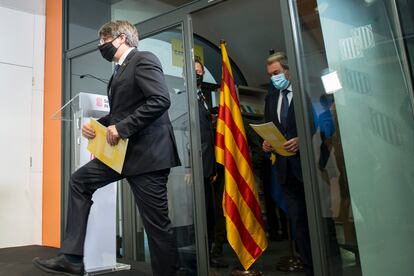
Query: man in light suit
139	101
279	109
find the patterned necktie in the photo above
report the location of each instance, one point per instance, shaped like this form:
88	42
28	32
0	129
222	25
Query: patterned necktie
284	108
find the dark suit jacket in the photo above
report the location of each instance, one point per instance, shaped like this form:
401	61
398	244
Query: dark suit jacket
283	163
139	102
207	141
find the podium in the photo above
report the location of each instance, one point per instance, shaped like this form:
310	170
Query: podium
100	241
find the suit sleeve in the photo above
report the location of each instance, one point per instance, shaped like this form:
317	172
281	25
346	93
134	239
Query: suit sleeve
150	79
104	120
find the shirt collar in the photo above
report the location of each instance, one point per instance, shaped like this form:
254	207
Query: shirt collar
124	55
289	88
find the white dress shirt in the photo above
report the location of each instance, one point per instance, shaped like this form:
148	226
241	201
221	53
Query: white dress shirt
124	55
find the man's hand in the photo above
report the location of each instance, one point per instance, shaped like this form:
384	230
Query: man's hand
112	136
267	147
292	145
88	132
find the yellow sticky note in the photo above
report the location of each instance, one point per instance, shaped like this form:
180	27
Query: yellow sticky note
112	156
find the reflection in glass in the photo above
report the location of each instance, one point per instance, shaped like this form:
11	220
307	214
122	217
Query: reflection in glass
365	137
90	74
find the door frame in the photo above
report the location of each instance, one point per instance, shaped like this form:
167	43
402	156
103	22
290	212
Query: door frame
148	29
291	24
182	16
294	51
178	17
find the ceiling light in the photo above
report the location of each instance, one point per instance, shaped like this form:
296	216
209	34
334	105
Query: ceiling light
331	82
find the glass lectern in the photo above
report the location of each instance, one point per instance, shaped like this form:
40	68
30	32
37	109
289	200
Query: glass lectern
100	242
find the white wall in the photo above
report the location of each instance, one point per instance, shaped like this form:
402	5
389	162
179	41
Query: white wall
21	110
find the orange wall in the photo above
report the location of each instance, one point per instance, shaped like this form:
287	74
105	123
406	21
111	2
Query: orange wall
52	128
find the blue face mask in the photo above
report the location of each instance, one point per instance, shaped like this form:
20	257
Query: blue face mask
280	82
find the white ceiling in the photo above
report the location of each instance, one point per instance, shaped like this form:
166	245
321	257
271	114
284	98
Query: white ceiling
250	29
29	6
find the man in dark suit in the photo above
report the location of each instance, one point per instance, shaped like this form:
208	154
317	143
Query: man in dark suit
214	221
279	109
139	100
207	137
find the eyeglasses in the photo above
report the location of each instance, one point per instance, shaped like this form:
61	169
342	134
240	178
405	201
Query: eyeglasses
105	40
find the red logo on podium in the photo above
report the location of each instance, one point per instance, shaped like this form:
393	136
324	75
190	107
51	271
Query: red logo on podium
99	102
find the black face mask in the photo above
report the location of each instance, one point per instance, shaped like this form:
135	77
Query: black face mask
199	79
108	51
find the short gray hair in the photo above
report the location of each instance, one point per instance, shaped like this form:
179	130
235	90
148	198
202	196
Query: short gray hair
116	28
280	57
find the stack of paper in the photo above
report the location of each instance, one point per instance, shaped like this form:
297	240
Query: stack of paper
271	134
112	156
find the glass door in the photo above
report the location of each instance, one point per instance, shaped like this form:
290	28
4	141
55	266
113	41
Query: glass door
172	46
350	64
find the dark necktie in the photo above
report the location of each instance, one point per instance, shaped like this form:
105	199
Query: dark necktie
117	66
284	108
202	99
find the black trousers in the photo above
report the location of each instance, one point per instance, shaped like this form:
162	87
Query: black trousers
270	205
295	196
209	201
150	192
219	219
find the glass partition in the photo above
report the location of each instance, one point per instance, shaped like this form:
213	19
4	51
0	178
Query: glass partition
136	11
86	17
355	76
90	73
166	45
84	20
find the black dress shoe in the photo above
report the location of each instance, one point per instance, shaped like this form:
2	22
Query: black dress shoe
59	265
218	263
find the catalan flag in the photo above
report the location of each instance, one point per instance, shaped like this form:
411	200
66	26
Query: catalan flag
245	227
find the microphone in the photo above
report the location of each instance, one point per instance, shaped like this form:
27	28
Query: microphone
92	77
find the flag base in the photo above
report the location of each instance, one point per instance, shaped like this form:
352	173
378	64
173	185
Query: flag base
242	272
290	264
